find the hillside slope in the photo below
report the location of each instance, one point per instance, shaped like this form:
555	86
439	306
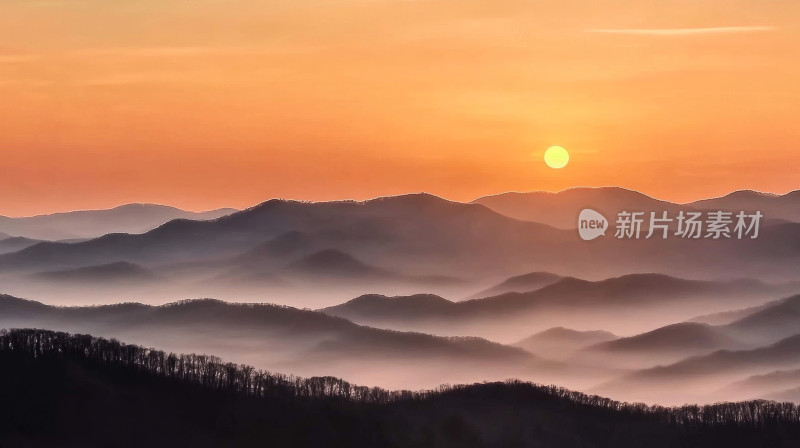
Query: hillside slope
72	390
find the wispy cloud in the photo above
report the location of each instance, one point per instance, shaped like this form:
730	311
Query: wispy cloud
16	58
683	31
122	79
11	55
188	51
155	51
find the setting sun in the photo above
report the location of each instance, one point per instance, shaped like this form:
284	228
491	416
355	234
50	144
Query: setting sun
556	157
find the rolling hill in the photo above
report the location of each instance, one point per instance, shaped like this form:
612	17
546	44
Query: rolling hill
335	264
420	228
560	342
663	345
277	337
520	283
771	323
765	386
676	337
130	218
569	301
416	235
561	209
13	244
108	273
774	206
696	376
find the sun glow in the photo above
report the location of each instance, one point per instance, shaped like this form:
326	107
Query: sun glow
556	157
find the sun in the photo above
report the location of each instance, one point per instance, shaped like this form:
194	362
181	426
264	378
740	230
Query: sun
556	157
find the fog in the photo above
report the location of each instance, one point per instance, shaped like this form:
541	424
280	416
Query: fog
415	291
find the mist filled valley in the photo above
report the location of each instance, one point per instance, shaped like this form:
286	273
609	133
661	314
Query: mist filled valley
414	291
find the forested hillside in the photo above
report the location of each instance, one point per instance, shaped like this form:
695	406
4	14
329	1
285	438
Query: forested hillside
68	390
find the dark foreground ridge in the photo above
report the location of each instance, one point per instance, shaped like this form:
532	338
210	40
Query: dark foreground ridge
58	389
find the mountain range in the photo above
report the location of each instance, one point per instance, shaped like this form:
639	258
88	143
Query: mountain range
610	315
696	376
404	226
653	298
561	209
756	327
411	240
560	342
108	273
519	283
15	243
661	346
300	341
764	386
129	218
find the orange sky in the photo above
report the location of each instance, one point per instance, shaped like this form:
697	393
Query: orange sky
209	103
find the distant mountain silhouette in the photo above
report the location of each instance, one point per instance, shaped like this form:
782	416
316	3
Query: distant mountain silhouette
776	321
783	353
773	206
677	337
560	342
130	218
560	303
766	386
695	374
261	265
663	345
269	336
291	243
561	209
520	283
421	230
378	308
375	305
336	264
786	396
633	289
108	273
727	317
777	246
291	259
419	235
13	244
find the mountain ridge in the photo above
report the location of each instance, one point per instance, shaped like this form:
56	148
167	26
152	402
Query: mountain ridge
126	218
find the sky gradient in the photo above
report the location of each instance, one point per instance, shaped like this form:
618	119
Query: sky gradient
203	104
